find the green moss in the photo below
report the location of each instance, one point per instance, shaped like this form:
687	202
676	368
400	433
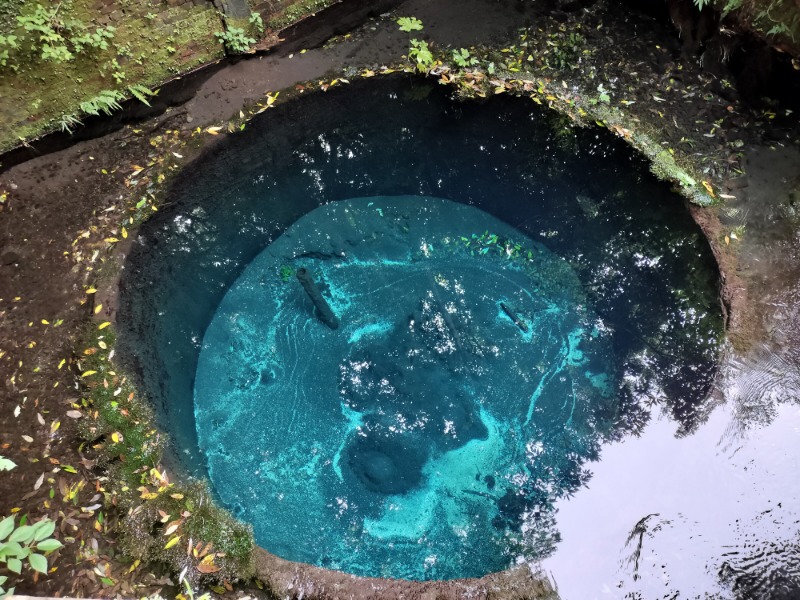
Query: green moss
174	523
148	51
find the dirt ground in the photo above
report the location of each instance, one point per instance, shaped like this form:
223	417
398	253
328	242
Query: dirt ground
62	217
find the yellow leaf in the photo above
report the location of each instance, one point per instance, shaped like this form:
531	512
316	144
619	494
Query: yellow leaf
135	564
91	290
104	324
98	308
45	322
708	187
87	373
207	565
54	426
176	496
62	363
111	240
727	240
116	437
172	542
124	233
102	344
213	130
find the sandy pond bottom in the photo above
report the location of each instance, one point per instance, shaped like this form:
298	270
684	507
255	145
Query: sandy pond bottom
465	384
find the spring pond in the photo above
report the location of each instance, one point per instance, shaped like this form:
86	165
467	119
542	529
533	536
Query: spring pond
494	298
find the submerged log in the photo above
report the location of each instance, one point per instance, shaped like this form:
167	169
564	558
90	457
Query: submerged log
323	309
514	317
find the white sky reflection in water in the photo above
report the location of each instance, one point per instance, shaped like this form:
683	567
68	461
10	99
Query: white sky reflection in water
696	488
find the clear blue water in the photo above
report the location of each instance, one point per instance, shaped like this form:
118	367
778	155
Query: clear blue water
412	438
468	389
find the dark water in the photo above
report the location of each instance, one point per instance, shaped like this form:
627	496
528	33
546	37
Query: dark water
469	388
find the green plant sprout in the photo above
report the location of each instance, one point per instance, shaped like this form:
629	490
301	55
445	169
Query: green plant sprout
17	543
235	40
257	22
421	55
409	24
463	59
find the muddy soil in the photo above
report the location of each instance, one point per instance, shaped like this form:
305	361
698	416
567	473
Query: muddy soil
60	212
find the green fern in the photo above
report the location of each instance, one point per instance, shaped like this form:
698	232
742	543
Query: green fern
106	102
141	93
68	121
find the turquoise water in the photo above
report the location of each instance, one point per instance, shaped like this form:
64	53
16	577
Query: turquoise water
414	437
438	448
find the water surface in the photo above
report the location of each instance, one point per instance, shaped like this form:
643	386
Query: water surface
458	470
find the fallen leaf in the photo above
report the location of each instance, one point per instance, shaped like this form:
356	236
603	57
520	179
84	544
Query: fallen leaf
172	527
172	542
